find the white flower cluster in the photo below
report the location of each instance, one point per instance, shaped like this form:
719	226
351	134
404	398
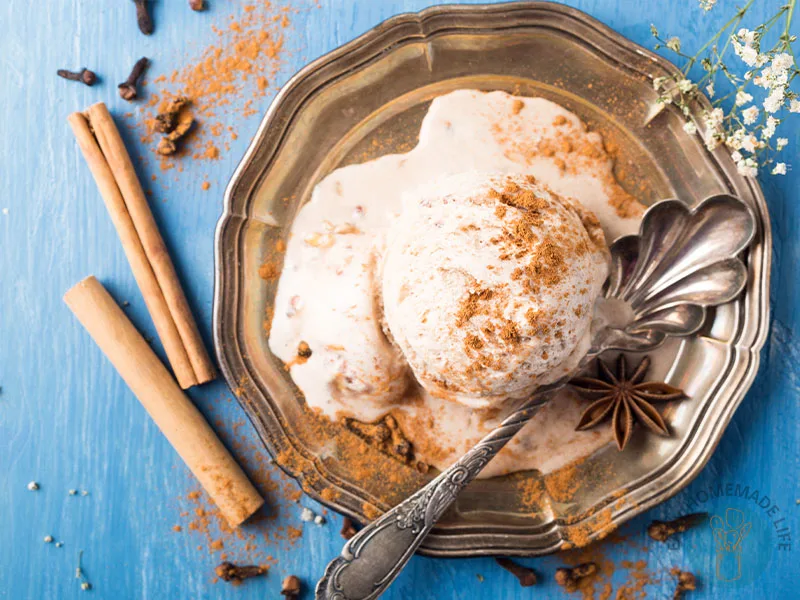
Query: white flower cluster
774	77
707	5
748	128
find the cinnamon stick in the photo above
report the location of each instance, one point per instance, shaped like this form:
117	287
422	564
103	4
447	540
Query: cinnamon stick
134	251
177	418
122	192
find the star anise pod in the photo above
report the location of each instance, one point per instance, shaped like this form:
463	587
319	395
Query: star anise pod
625	399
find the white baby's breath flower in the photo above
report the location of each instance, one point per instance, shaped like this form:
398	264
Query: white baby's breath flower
737	156
658	82
674	44
794	106
781	143
742	98
734	140
749	143
772	78
690	128
710	89
749	115
747	167
714	118
746	36
769	127
685	85
748	54
782	61
774	101
779	169
748	75
707	5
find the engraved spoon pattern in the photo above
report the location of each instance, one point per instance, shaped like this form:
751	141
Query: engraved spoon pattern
682	261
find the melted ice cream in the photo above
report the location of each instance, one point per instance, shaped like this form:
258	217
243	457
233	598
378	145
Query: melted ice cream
327	294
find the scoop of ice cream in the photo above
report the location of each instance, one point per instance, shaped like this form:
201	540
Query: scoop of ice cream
488	285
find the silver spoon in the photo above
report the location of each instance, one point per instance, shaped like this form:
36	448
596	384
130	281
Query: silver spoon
682	261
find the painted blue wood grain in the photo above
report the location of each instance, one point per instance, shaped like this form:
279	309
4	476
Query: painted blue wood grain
68	421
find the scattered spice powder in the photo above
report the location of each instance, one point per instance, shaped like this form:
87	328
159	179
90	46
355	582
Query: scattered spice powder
251	542
268	271
229	76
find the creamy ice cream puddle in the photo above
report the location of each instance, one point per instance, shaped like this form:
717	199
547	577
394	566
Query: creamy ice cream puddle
330	288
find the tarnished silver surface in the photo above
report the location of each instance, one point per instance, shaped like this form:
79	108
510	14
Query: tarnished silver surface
366	99
681	262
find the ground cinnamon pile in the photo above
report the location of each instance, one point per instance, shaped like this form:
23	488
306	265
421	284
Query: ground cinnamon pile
228	77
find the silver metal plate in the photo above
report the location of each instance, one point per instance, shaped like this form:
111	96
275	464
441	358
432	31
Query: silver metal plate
367	99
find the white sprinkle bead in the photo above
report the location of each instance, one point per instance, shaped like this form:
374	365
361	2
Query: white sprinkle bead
48	539
319	520
33	486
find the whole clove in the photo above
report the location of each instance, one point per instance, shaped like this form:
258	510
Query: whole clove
377	433
143	17
686	582
570	579
290	588
168	144
167	120
400	447
526	576
197	5
84	76
348	528
387	436
236	574
303	350
127	89
661	531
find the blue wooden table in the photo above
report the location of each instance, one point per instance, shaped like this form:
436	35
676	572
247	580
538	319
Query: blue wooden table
67	420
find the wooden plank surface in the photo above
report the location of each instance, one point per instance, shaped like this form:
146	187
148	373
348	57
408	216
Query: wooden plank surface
68	421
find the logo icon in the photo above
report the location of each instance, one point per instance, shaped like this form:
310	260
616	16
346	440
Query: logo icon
728	537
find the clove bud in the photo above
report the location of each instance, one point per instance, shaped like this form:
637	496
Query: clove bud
236	574
84	76
290	588
175	123
143	17
168	118
526	576
661	531
127	89
569	579
376	433
400	446
348	528
686	582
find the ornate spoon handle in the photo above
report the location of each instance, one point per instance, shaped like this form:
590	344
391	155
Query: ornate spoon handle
371	560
